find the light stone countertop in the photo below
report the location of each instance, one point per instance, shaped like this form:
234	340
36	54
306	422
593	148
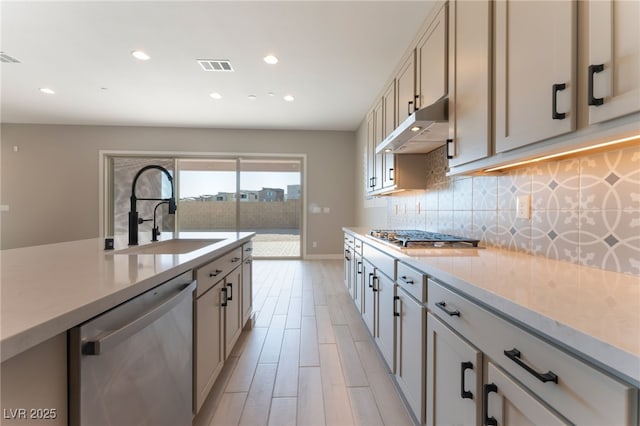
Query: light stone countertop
48	289
591	312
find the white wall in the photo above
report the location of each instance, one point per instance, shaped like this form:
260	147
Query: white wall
51	183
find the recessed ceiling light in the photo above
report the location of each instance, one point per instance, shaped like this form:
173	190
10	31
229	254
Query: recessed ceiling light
270	59
415	128
271	94
252	97
216	95
47	91
289	98
139	54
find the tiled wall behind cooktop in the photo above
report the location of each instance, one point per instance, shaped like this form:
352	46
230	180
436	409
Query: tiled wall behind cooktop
584	210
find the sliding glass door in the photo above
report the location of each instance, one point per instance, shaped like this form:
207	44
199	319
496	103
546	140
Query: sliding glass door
250	193
271	205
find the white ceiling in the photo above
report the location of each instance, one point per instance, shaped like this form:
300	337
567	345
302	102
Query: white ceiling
335	57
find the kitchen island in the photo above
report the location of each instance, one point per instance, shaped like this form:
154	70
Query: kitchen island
49	289
526	314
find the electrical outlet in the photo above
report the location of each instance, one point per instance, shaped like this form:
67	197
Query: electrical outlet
314	244
523	207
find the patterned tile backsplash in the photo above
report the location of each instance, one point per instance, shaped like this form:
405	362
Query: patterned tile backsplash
583	210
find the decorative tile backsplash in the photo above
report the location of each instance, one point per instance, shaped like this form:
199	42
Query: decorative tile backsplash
583	210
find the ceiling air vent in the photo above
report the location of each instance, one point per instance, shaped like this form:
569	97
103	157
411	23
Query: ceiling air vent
215	65
8	59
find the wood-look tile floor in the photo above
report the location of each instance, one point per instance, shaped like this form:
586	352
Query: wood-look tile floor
308	360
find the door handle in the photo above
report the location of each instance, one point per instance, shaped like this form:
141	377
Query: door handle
549	376
594	69
224	296
395	312
391	174
230	285
554	102
443	306
487	389
464	366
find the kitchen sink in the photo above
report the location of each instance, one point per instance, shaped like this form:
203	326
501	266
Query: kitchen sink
176	246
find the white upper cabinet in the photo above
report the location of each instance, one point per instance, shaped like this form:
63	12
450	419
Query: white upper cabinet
389	114
535	79
406	88
431	61
469	80
613	79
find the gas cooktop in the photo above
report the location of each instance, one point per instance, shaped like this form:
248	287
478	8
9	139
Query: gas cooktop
410	238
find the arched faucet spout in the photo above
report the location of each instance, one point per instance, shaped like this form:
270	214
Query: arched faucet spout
133	212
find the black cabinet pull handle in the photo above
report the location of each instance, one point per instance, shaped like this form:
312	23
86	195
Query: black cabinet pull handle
224	296
409	108
593	69
230	285
514	355
370	279
347	254
443	306
464	366
415	105
359	268
395	312
451	149
215	273
486	390
554	102
235	259
406	280
375	280
391	174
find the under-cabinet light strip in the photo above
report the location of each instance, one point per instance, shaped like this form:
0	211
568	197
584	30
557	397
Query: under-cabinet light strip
562	154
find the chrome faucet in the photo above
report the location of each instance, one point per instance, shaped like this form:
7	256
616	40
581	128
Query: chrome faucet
133	212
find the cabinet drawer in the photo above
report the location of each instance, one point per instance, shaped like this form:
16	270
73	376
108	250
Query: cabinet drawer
413	281
349	240
581	393
358	245
214	271
382	261
247	250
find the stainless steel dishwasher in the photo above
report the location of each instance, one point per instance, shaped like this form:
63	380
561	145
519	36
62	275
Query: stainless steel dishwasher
132	365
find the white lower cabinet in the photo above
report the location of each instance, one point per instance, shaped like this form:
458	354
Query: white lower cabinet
385	291
232	311
411	351
208	343
368	308
508	403
454	377
530	373
221	308
358	281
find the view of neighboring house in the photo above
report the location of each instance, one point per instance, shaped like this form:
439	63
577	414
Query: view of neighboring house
266	195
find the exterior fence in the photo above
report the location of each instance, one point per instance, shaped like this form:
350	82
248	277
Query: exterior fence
211	215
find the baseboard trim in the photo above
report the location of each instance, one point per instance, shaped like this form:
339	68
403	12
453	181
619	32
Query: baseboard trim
324	256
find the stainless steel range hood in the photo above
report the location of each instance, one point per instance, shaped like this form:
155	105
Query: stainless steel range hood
422	132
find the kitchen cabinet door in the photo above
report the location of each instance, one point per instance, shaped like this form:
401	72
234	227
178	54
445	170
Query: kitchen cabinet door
535	45
389	125
454	377
507	403
613	73
247	289
470	80
406	88
431	61
411	351
374	161
232	312
385	291
368	299
348	260
358	281
209	343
